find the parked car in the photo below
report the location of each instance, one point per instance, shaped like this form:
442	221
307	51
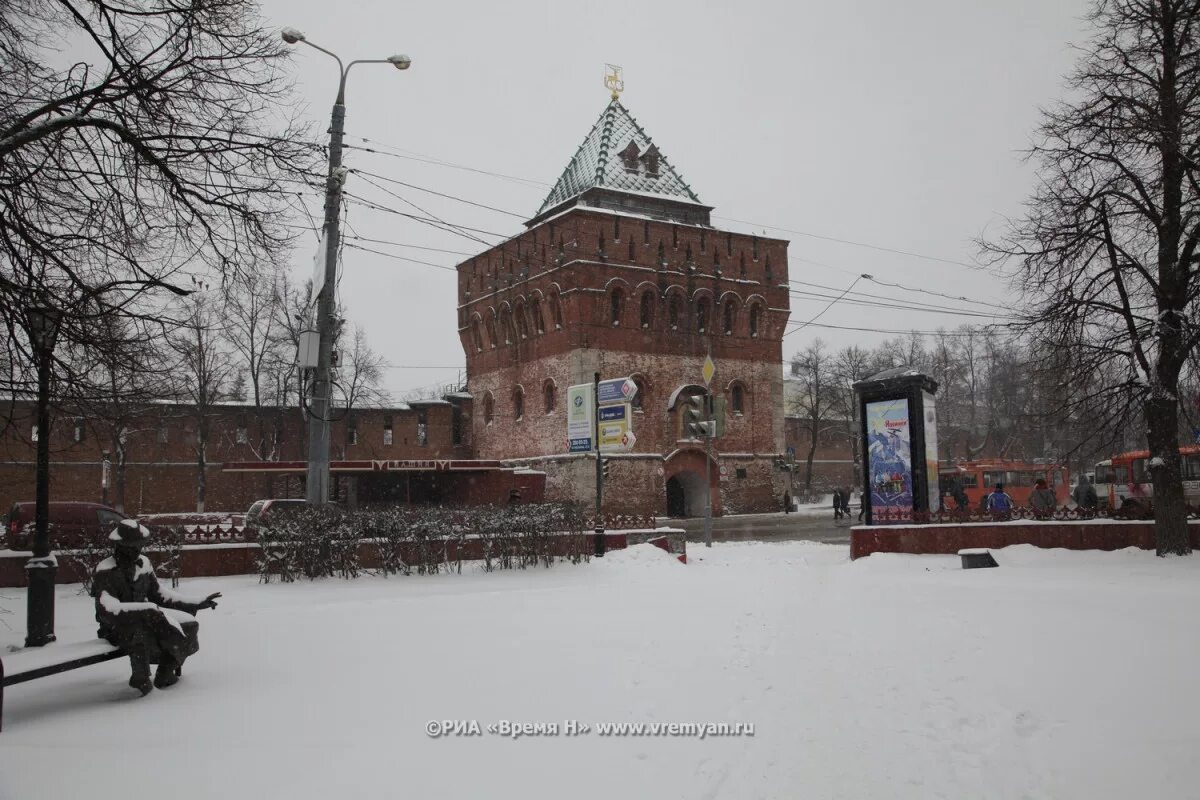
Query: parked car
72	524
263	512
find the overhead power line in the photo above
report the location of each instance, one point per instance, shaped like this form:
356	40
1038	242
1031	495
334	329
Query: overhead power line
529	182
441	194
832	303
395	152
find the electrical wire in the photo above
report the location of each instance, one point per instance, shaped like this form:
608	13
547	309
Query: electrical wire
795	231
832	303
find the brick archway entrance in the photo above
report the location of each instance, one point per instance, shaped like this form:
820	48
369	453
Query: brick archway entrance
685	495
684	477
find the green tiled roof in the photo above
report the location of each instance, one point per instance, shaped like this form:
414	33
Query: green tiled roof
599	162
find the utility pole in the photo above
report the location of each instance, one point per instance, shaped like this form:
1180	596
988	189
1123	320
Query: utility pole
598	542
316	489
317	480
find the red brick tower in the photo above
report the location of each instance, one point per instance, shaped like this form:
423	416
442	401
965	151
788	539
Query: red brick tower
621	272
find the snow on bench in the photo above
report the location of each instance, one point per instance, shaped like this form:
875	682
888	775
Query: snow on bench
32	663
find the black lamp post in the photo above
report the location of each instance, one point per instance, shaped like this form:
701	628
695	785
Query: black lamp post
42	325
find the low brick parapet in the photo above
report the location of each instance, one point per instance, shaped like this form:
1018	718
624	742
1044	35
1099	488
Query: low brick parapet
241	558
947	539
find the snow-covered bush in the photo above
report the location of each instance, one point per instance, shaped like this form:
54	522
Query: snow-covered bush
330	541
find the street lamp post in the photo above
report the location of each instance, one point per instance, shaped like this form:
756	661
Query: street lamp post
42	325
317	479
105	466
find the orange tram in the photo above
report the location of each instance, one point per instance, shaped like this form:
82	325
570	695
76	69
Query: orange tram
978	478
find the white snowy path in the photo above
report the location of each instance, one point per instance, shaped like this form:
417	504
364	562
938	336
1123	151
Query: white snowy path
1059	675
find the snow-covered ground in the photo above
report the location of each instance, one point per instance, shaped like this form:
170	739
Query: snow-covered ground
1059	675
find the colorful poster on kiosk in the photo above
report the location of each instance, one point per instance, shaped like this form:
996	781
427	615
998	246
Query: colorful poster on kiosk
889	454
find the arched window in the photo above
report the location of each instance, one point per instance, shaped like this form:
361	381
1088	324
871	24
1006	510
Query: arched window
548	398
647	309
728	317
518	403
639	399
674	311
477	334
491	331
616	302
556	311
702	314
522	323
755	319
535	309
489	409
506	327
737	399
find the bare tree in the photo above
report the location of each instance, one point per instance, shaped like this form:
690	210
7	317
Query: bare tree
849	365
163	146
360	373
113	383
812	368
254	329
1108	249
205	375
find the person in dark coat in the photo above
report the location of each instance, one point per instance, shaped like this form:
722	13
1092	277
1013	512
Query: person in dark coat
837	504
960	495
1042	499
1085	495
149	623
845	497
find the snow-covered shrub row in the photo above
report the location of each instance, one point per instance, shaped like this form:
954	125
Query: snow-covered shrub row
330	541
165	552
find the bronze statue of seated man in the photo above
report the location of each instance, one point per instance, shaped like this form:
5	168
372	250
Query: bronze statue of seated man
151	624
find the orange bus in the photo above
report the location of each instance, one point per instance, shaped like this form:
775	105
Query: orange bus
978	478
1131	484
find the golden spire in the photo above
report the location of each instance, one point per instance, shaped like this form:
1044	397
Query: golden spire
613	80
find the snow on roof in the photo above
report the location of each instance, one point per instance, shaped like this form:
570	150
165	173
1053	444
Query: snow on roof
598	162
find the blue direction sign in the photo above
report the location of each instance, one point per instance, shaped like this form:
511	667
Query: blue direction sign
609	413
616	390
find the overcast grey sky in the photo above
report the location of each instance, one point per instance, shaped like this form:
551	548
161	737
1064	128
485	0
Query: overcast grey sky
893	124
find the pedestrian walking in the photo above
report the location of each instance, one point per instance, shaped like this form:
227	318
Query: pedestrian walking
1085	495
960	495
1042	499
845	494
837	504
999	503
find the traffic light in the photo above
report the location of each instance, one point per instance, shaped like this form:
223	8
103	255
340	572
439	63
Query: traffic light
717	416
695	417
605	465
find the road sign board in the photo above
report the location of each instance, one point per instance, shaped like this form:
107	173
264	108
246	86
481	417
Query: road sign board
616	390
615	435
579	418
709	370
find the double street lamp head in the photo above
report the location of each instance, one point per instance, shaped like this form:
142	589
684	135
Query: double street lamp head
294	36
43	323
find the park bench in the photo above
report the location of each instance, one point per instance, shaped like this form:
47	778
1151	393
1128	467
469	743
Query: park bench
32	663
